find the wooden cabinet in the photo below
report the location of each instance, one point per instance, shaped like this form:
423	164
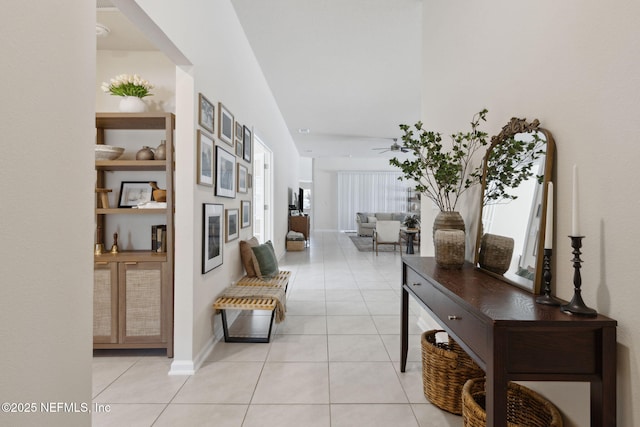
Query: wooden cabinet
301	224
129	301
133	288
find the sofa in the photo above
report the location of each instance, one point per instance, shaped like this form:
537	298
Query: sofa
367	221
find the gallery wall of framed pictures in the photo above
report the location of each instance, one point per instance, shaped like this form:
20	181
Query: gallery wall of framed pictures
223	154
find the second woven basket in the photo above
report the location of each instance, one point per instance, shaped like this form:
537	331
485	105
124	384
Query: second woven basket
445	369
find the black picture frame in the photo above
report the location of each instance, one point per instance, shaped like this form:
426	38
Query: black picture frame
133	193
246	141
212	232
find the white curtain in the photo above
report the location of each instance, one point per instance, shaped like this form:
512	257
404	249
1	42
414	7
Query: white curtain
369	192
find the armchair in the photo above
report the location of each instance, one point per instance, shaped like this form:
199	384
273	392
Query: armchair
386	233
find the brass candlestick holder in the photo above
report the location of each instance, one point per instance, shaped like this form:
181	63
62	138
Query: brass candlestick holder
546	298
577	305
114	248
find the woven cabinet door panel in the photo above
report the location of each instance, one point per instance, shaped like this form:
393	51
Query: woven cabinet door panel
141	300
105	303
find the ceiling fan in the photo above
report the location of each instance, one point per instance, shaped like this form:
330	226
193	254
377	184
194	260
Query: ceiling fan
395	147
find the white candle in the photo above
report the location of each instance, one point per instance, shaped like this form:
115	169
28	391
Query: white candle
548	227
575	230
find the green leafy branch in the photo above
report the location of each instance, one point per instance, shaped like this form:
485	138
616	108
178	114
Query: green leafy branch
442	175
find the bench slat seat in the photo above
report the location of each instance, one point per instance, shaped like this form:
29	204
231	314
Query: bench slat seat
222	303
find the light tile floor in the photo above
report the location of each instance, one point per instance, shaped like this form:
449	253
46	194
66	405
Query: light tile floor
334	361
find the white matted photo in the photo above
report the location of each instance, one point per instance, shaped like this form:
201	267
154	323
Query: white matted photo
212	230
243	175
206	113
225	173
245	211
134	193
205	159
232	218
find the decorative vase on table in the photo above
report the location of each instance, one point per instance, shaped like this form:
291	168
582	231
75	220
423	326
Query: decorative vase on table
451	220
132	104
449	239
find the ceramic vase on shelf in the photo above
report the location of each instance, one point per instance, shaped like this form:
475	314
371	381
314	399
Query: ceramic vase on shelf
132	104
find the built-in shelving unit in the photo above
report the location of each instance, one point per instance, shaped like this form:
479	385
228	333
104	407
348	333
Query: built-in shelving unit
133	288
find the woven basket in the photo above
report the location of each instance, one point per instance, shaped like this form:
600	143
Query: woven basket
525	408
445	369
495	253
449	248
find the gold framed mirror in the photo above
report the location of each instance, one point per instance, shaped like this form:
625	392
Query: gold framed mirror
512	218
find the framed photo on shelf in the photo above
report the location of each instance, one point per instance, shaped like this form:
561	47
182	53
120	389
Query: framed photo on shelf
225	124
205	159
239	149
206	113
212	230
232	229
245	211
133	193
238	131
246	141
243	174
225	173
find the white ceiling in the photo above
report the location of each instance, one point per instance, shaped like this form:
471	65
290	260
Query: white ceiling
347	70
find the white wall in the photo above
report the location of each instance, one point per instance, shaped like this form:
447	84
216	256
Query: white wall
225	70
325	185
573	65
46	231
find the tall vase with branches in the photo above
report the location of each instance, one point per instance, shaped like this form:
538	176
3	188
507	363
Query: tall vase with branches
442	175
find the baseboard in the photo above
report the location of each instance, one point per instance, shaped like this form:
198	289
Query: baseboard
189	367
182	367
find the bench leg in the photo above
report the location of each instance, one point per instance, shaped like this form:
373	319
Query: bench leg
229	338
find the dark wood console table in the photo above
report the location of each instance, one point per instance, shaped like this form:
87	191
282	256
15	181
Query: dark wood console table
511	337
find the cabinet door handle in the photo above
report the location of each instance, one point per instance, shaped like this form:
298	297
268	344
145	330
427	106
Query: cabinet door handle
453	317
102	262
131	263
417	284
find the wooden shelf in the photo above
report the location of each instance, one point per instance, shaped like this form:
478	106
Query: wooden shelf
130	211
135	120
130	256
124	165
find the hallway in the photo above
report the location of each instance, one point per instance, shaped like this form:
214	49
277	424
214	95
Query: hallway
334	361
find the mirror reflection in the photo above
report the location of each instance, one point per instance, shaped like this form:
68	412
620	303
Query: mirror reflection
516	167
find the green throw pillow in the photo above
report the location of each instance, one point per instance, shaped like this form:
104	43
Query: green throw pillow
267	261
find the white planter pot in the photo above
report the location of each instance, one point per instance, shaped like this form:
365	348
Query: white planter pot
132	104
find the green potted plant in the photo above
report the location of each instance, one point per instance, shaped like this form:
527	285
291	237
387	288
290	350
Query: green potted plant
412	221
443	175
132	88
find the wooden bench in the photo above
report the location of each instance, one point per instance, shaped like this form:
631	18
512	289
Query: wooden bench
253	302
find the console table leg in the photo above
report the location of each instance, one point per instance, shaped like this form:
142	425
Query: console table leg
603	391
404	333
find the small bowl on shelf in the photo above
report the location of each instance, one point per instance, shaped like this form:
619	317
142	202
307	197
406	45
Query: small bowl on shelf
108	152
